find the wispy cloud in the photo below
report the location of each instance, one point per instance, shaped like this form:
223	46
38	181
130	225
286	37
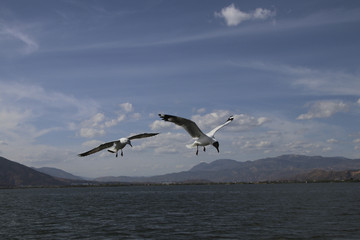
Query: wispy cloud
15	33
24	108
313	81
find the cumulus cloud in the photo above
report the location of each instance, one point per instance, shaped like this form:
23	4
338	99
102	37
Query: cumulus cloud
324	109
160	124
127	107
97	125
332	140
234	16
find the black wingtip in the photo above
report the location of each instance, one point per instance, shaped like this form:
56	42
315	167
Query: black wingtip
231	118
164	117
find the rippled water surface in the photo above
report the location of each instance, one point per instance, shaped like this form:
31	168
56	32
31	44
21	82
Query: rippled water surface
261	211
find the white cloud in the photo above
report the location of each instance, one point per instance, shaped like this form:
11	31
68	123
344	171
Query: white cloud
324	109
358	101
332	140
234	16
91	132
211	120
160	124
201	110
261	13
97	124
127	107
256	145
246	122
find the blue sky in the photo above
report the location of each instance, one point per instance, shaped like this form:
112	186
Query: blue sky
74	74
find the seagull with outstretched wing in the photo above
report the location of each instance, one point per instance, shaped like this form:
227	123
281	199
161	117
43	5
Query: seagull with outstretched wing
115	146
201	139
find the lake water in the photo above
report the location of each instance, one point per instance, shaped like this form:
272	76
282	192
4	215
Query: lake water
244	211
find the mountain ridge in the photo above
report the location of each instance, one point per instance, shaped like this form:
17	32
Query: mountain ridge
267	169
58	173
281	168
13	174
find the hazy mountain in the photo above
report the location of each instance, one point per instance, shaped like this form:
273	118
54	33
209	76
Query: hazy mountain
58	173
13	174
285	167
268	169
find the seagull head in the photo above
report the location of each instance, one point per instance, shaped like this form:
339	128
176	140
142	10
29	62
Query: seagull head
216	145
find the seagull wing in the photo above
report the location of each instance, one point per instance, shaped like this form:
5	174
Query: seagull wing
212	132
97	149
142	135
187	124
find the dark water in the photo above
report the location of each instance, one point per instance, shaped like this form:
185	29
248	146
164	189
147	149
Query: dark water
268	211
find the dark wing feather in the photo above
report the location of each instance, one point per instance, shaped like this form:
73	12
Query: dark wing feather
97	149
142	135
187	124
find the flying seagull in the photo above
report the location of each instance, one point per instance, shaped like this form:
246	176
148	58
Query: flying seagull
201	139
117	145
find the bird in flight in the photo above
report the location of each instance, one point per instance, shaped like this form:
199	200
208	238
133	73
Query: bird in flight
115	146
201	139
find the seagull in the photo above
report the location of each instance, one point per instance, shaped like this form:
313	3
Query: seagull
201	139
117	145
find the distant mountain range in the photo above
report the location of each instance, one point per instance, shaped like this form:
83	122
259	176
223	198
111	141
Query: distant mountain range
282	168
285	167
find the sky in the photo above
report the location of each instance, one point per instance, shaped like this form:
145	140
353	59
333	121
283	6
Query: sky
76	73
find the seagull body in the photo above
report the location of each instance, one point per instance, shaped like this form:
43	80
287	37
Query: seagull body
201	139
115	146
